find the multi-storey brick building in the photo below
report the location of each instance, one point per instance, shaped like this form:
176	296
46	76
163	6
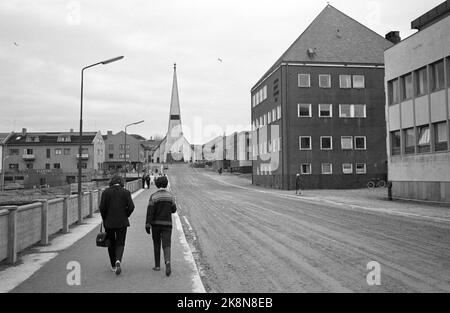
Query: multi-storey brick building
319	110
41	153
418	109
116	152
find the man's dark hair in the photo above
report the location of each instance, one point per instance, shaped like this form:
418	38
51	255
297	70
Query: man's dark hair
161	182
116	180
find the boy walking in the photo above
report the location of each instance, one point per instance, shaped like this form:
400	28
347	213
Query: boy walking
298	185
160	208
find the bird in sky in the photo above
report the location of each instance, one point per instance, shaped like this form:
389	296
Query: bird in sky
220	60
16	44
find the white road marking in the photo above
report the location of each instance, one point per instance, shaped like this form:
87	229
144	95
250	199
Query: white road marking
353	206
197	285
13	276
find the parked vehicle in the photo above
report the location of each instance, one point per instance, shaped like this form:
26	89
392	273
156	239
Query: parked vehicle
376	183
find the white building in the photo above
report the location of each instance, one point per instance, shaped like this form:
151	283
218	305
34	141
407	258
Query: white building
418	109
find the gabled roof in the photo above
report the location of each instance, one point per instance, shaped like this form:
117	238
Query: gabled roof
50	138
334	37
3	137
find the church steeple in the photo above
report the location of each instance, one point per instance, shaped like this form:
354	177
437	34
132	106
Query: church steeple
174	130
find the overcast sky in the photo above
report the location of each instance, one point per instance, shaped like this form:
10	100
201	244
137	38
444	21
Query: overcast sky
44	44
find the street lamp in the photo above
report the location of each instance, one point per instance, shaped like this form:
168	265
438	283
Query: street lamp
80	211
125	147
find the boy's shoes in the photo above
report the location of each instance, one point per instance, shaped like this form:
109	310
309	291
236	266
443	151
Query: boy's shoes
156	268
168	269
118	269
113	269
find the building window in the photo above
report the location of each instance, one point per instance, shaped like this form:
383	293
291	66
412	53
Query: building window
111	156
260	96
407	87
423	140
58	151
421	82
347	168
325	81
448	71
265	119
83	165
352	111
14	166
437	76
28	151
325	110
261	121
395	143
347	143
327	168
345	81
13	151
48	153
326	143
56	165
47	166
304	110
274	115
361	168
305	143
441	136
410	140
279	112
304	80
66	151
393	91
29	166
306	169
269	117
359	111
359	81
360	143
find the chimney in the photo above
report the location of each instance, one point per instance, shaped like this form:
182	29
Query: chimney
71	130
24	131
394	37
109	133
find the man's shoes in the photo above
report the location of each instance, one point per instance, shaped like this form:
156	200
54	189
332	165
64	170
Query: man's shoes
118	269
168	269
113	269
156	268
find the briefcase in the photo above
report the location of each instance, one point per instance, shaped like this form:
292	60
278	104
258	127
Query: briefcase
102	238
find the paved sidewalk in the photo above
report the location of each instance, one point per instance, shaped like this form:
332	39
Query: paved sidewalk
363	199
137	275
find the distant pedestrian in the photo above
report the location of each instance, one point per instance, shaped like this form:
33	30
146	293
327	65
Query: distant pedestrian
143	180
160	208
148	181
298	185
116	206
152	179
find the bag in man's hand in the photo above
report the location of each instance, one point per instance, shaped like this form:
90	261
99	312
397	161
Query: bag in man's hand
102	238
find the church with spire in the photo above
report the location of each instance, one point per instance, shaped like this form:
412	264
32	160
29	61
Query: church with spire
174	147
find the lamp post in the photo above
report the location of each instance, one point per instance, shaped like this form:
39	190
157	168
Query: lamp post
80	211
125	148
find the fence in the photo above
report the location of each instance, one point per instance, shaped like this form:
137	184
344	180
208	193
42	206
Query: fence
24	226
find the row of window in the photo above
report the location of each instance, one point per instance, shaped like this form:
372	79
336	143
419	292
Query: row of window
418	140
121	147
420	82
30	166
121	156
266	119
326	143
260	96
326	169
345	81
57	151
326	110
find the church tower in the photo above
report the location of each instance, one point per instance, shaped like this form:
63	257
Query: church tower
176	145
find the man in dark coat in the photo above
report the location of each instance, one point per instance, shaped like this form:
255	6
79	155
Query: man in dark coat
116	207
298	185
160	208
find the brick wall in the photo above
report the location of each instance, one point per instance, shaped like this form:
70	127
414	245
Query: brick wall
55	216
28	226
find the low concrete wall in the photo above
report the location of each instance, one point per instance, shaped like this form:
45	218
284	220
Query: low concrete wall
24	226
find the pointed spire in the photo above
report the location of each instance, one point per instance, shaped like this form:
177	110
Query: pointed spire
174	118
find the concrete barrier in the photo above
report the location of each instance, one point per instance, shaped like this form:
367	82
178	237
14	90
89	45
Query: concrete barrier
24	226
